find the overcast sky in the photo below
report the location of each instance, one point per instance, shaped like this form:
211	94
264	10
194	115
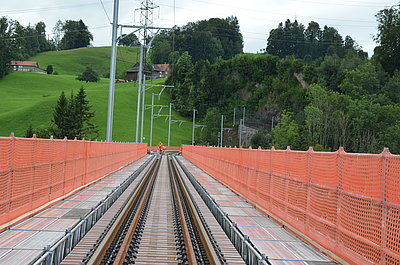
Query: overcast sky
256	17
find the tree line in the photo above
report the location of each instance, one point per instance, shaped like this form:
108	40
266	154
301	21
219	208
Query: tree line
20	43
294	39
336	97
203	40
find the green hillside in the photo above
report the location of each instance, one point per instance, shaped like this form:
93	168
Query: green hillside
73	62
29	98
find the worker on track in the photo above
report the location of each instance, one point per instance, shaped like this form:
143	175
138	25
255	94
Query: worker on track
160	147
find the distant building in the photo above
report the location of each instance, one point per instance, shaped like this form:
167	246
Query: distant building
131	74
159	71
26	66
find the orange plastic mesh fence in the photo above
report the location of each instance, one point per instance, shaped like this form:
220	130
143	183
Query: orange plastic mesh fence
347	203
36	171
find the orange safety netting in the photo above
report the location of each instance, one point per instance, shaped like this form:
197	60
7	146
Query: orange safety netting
35	171
347	203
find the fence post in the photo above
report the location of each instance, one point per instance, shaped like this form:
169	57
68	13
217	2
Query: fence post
385	156
339	164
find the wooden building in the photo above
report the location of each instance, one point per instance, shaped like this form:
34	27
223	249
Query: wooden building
26	66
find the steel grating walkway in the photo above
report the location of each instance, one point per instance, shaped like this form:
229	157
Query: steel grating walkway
25	241
269	237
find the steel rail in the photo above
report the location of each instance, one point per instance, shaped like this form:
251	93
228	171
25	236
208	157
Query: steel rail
119	259
191	255
211	252
99	253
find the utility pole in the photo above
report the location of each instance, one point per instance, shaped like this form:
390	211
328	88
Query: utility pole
194	122
139	92
240	132
234	116
244	114
112	72
143	90
169	123
272	122
151	120
222	128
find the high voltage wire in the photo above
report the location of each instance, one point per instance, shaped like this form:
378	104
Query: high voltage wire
276	13
175	7
263	19
105	11
42	9
38	35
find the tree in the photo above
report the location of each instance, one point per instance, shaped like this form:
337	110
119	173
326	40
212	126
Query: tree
89	75
58	27
313	36
128	40
6	47
361	81
287	40
261	138
388	51
392	87
76	35
180	93
73	117
49	69
60	117
84	115
29	132
212	121
286	133
43	43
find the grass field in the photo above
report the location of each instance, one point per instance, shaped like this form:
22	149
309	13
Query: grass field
29	98
74	62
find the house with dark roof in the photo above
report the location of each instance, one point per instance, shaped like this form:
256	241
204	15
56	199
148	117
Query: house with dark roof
26	66
158	71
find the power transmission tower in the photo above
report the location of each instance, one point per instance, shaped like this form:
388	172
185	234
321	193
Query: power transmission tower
145	29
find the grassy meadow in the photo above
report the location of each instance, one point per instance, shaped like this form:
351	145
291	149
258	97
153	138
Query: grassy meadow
29	98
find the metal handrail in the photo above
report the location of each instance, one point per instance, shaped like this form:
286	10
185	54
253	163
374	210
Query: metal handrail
62	247
250	254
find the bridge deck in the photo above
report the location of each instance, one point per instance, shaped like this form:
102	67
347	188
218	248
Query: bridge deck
269	237
25	241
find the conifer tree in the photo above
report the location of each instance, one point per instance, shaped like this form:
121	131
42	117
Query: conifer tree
60	117
84	115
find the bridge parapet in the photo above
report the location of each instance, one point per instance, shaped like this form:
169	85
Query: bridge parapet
346	204
34	173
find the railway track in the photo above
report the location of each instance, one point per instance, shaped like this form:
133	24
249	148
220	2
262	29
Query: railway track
159	222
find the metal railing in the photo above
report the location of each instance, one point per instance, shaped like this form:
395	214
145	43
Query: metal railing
250	254
53	255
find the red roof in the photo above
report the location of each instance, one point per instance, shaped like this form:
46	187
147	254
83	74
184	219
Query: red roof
24	63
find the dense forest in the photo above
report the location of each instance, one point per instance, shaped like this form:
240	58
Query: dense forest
321	89
20	43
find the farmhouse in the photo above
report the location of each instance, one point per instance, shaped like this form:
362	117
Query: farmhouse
26	66
158	71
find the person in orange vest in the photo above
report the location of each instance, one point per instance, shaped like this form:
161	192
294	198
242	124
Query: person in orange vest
160	145
163	149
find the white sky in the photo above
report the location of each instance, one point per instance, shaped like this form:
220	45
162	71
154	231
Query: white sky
256	17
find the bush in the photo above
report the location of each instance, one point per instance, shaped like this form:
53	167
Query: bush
89	75
49	69
261	138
